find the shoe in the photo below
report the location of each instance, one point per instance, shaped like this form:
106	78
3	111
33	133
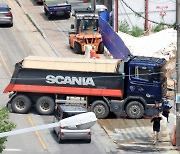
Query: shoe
154	143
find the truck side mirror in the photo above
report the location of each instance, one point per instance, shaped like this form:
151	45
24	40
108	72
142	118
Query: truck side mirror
72	26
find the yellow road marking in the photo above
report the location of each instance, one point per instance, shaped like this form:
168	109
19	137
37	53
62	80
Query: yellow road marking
37	133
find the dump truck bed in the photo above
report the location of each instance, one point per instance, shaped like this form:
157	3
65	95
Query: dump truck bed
72	64
80	77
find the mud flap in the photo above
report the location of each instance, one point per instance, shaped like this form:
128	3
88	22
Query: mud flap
8	106
116	107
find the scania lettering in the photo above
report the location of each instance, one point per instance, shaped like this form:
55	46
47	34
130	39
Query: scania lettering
68	80
105	85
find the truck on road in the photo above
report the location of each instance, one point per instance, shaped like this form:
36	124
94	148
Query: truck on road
57	8
109	85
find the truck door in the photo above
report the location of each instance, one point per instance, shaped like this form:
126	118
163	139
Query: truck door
141	83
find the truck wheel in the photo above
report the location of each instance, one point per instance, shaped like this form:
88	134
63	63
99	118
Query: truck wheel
21	104
67	15
100	108
134	110
45	105
77	48
101	48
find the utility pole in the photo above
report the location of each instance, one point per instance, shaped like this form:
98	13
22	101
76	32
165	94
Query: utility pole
116	15
178	75
146	15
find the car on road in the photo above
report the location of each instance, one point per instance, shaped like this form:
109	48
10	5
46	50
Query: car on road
6	17
70	132
54	8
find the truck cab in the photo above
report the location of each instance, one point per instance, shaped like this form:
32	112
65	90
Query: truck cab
146	81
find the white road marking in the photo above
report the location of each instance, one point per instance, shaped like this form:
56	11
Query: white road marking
12	149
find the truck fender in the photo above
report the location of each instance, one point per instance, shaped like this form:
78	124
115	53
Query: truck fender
106	100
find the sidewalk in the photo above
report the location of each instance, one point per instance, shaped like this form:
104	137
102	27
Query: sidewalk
137	136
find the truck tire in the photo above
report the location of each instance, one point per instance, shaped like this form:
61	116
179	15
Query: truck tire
45	105
134	110
67	15
101	48
100	108
21	104
77	48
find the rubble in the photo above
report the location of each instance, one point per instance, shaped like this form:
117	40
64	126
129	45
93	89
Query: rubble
162	44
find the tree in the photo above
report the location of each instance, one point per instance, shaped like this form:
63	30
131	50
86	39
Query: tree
5	126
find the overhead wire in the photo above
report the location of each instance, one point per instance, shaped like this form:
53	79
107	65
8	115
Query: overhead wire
126	13
120	75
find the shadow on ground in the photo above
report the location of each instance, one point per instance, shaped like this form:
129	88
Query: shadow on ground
141	147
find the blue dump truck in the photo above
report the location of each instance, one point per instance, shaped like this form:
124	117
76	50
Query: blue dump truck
132	85
54	8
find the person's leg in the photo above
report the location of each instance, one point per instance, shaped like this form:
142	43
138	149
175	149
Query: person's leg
155	137
168	118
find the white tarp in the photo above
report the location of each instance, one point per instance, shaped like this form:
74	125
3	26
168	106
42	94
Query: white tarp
71	64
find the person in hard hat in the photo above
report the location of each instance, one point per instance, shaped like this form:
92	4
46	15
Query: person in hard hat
93	53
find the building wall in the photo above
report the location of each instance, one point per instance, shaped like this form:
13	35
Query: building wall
159	11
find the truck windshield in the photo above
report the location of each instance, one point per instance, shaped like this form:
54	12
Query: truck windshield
149	74
141	73
88	24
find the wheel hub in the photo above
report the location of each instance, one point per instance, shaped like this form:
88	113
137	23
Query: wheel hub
20	104
135	110
99	109
45	106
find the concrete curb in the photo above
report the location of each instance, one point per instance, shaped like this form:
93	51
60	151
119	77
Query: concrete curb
31	18
37	26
